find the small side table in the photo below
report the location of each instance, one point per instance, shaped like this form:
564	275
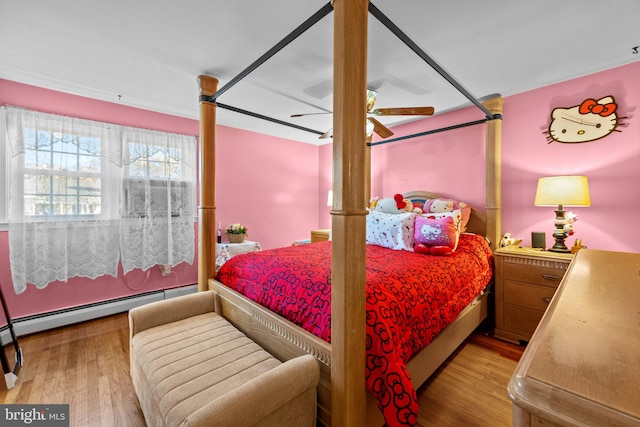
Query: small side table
226	251
526	280
320	235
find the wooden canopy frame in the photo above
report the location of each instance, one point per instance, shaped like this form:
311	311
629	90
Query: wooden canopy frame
351	167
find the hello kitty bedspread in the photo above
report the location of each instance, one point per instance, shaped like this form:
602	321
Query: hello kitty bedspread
410	298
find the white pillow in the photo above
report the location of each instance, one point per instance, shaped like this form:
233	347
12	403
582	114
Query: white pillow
394	231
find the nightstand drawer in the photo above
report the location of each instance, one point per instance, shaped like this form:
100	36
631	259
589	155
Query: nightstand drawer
521	320
533	274
525	295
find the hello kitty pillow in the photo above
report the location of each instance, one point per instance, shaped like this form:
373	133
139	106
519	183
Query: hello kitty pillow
436	236
456	215
393	231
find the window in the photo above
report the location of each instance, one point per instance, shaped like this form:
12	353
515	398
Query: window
152	161
62	174
85	196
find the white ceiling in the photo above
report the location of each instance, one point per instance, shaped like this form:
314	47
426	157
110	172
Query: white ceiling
148	54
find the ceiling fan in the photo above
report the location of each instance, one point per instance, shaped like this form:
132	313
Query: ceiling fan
373	125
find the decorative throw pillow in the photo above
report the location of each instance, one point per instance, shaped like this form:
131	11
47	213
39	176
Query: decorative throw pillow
439	235
394	231
456	215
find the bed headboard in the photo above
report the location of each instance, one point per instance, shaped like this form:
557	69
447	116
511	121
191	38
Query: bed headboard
477	221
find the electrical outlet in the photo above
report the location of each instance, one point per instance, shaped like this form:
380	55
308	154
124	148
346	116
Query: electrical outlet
165	268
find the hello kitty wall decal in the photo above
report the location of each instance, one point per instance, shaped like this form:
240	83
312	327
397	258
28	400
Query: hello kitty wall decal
589	121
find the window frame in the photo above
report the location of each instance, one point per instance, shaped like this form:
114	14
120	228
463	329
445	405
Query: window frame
4	172
62	173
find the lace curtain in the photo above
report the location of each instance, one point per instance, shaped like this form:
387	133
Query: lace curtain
85	195
161	184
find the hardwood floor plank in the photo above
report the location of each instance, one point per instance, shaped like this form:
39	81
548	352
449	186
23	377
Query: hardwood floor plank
468	389
87	366
93	393
78	408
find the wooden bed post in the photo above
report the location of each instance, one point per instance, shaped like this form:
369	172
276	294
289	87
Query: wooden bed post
367	171
207	209
494	171
348	221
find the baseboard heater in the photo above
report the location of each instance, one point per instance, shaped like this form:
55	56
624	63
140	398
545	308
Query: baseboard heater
55	319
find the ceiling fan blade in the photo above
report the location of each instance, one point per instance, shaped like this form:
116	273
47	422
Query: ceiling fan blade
409	111
327	134
380	129
310	114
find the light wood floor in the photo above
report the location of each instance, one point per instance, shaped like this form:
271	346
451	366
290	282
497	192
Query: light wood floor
87	366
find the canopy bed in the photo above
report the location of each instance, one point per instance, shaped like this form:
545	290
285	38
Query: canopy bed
341	393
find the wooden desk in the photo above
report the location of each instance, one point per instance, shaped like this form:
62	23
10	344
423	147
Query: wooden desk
582	365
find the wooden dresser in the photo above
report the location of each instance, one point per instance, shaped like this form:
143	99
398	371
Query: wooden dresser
582	365
526	280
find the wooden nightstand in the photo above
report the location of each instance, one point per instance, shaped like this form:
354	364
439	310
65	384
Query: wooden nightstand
526	280
319	235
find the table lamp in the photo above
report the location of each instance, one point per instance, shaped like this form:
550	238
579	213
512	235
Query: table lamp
562	191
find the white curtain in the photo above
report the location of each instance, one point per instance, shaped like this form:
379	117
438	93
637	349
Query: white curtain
163	167
71	208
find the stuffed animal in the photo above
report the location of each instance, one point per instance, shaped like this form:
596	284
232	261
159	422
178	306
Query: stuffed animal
394	205
421	248
449	205
567	228
438	206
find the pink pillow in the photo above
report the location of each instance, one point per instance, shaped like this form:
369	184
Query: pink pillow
455	215
439	233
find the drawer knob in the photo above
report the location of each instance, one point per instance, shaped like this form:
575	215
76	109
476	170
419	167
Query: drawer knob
546	300
550	277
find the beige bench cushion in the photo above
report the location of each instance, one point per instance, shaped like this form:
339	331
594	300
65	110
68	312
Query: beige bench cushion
191	362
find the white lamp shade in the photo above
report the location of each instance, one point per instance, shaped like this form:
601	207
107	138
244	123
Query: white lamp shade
563	190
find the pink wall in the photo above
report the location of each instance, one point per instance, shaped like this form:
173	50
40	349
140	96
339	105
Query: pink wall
611	163
263	182
452	163
268	184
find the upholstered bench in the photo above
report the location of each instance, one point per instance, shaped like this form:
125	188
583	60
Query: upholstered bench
191	367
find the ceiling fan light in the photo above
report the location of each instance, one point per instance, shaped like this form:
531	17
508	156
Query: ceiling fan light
371	99
370	128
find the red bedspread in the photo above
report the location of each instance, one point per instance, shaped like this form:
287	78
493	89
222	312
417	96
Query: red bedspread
410	298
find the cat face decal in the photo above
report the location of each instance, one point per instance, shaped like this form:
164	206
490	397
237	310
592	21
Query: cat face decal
589	121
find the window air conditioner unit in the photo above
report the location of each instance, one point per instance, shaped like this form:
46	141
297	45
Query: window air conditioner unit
151	197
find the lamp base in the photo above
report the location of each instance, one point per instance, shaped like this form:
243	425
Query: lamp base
559	234
564	250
